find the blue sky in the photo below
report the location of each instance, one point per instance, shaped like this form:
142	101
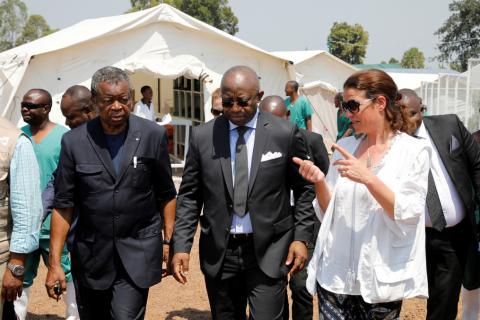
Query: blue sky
393	26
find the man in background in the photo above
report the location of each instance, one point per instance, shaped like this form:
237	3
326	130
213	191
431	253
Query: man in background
344	125
453	190
302	301
46	137
145	108
299	107
20	211
217	108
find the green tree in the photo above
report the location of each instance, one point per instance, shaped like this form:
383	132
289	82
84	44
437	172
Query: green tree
413	58
393	61
459	36
348	42
36	27
214	12
13	14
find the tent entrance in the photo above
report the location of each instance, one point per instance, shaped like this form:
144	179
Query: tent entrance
183	99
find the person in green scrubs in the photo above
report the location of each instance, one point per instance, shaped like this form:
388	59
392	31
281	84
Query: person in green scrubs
299	107
46	139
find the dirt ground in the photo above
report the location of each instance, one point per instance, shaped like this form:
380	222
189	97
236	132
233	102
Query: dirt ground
170	300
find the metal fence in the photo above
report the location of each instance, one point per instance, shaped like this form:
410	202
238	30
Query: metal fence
455	93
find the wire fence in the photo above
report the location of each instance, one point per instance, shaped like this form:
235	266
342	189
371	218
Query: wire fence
455	93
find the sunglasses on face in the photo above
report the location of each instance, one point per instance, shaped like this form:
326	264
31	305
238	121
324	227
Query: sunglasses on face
216	112
353	106
241	102
31	106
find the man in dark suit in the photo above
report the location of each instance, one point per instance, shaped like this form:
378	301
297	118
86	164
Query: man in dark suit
239	169
302	300
453	194
115	170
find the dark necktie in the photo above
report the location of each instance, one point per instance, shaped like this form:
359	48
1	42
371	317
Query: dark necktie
434	206
240	188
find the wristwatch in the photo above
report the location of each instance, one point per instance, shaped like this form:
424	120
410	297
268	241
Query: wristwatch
167	242
17	270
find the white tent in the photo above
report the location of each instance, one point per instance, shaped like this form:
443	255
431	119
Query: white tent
320	75
158	43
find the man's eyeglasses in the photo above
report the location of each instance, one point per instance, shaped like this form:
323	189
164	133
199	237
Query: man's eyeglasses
353	106
228	103
31	106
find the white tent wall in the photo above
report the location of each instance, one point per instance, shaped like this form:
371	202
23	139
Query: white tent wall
324	118
158	49
406	80
324	68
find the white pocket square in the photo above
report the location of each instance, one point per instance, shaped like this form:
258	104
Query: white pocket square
270	156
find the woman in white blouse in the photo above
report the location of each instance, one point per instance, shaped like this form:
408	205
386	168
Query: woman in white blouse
370	251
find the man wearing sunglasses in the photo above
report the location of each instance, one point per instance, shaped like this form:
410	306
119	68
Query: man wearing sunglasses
217	108
239	169
299	107
46	137
454	190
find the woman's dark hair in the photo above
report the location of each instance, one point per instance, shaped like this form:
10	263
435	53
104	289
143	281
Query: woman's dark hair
377	83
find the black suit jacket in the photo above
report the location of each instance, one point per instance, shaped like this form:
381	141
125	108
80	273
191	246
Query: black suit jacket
115	212
319	156
461	156
207	183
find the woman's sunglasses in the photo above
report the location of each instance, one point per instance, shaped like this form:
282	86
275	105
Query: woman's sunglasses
353	106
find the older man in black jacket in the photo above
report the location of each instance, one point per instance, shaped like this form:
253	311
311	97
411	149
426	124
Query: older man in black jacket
116	171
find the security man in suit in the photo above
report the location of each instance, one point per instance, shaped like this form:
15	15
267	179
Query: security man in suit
453	193
239	169
115	171
302	300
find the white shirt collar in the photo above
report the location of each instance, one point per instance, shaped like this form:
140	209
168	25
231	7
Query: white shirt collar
422	131
252	124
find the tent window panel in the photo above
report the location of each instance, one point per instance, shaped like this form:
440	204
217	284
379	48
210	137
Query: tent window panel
197	106
188	99
196	85
188	104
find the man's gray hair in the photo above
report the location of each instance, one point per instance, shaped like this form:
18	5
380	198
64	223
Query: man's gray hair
110	75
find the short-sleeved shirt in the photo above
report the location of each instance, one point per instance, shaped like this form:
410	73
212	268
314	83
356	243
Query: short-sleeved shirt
47	153
300	111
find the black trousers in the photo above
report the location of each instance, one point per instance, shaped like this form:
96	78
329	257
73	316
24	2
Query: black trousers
122	301
446	259
302	300
241	281
333	306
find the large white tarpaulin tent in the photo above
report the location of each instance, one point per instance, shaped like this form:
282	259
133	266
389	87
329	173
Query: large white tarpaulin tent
320	75
162	42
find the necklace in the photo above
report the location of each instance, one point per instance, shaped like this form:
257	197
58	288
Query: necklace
369	159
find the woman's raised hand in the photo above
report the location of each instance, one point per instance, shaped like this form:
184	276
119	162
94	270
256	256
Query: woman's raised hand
350	167
308	170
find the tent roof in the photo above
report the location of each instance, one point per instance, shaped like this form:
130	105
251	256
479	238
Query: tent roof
100	27
297	57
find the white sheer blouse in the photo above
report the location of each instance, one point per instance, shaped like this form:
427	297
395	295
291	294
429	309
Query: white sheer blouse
360	250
